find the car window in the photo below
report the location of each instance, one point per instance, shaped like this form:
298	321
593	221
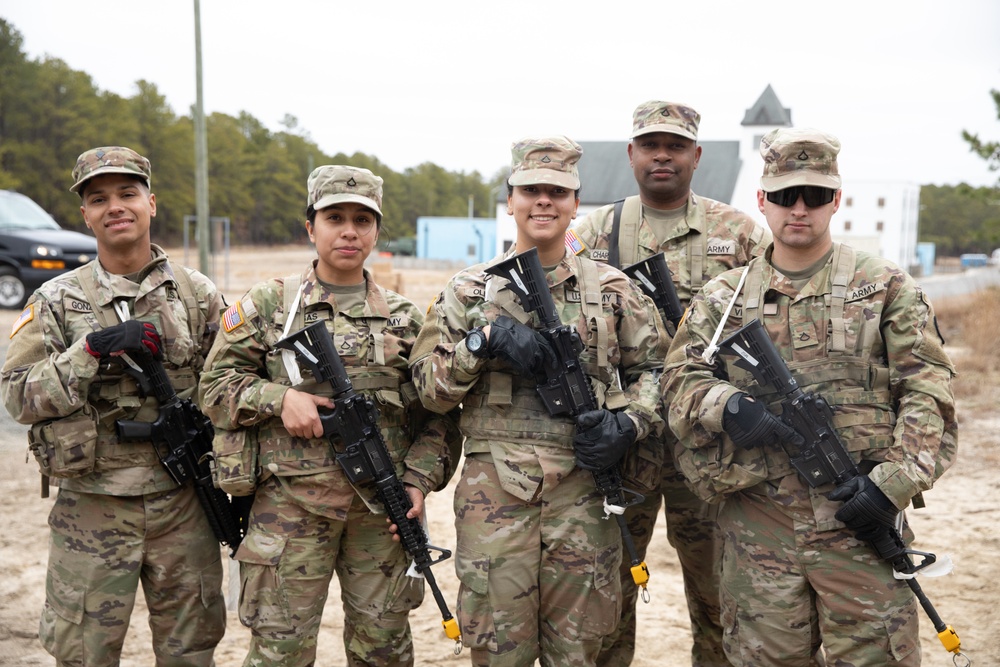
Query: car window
20	212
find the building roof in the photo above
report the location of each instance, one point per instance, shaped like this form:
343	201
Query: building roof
605	174
767	110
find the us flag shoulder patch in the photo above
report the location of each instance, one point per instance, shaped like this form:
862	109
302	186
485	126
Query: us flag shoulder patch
26	316
233	317
574	243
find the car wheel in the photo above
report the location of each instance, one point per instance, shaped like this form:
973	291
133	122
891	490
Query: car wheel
11	288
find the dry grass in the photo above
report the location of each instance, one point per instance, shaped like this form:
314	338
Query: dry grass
971	326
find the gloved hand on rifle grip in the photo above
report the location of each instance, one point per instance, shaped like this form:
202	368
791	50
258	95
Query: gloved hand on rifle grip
750	424
128	336
865	506
520	346
602	438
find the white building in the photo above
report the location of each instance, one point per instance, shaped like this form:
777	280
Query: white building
879	217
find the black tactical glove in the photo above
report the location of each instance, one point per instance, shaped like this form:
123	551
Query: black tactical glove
865	506
750	424
602	438
520	346
129	336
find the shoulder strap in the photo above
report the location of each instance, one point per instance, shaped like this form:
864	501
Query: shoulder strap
616	224
629	232
85	274
196	319
843	271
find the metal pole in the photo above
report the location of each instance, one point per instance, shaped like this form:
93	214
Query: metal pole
200	154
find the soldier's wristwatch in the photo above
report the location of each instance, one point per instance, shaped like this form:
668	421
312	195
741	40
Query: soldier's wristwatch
477	344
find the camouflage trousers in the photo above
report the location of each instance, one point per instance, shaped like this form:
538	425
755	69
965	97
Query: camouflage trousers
101	547
787	586
539	580
692	531
287	561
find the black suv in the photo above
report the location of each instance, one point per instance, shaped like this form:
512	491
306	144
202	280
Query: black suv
34	248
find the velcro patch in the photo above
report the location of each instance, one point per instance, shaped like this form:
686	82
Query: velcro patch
866	291
26	316
233	317
574	243
599	254
721	247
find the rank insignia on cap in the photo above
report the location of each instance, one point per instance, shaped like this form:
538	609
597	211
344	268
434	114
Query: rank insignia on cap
352	183
546	159
233	317
26	316
802	156
574	243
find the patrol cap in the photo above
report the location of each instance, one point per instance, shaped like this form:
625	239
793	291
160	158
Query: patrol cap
334	184
110	160
550	160
659	116
799	156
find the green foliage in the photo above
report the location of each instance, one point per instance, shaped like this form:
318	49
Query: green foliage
988	150
49	114
960	219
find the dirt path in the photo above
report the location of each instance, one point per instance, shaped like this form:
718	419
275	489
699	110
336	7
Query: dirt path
961	519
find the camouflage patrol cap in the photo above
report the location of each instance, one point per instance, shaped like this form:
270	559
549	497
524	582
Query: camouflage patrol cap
672	117
799	156
550	160
333	184
110	160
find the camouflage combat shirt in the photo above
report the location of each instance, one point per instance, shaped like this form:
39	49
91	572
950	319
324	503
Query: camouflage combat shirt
49	375
245	381
880	365
502	415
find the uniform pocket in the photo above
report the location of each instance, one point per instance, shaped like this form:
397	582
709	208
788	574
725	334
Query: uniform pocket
604	605
236	460
65	447
474	612
263	603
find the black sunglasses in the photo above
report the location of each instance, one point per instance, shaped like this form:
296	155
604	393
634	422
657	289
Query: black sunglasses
813	195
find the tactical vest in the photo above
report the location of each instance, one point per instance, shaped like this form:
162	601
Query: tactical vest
283	454
506	407
623	243
118	396
855	385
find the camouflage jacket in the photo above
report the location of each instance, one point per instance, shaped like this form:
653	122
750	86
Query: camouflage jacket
714	237
49	379
624	345
869	346
245	381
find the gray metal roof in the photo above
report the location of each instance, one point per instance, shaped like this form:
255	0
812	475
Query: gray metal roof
605	174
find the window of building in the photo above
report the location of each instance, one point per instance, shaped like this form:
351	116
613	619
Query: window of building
881	202
879	226
847	226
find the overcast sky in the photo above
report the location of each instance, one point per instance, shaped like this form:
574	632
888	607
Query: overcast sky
455	82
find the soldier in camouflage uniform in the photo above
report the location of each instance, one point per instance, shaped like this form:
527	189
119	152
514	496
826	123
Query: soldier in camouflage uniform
308	521
537	560
119	519
857	330
700	239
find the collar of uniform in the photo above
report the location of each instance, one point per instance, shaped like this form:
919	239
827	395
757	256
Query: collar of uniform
375	303
111	286
565	270
819	283
693	221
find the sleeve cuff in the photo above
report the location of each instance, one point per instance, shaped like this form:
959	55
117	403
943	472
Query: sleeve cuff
894	484
467	365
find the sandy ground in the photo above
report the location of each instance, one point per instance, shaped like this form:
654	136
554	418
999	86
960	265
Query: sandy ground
961	519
